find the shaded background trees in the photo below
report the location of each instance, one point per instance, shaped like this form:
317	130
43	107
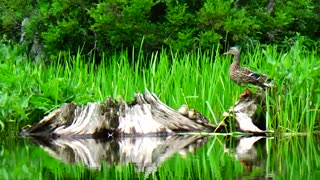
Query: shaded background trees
98	27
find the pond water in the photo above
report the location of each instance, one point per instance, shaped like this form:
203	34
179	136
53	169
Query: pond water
172	157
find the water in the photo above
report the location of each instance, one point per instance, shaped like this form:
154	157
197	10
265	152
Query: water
173	157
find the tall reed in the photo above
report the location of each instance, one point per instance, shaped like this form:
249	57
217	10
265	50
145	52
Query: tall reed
294	104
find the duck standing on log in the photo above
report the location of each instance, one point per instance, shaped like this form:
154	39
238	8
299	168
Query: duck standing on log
241	75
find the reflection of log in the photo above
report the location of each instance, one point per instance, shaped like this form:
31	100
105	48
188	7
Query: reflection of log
146	115
146	153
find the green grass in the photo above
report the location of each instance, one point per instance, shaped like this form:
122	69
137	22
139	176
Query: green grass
294	106
201	80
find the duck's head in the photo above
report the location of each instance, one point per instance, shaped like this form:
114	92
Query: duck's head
233	51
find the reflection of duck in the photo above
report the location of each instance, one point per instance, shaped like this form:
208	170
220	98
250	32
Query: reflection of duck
245	149
241	75
246	152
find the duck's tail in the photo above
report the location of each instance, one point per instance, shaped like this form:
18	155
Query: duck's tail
270	84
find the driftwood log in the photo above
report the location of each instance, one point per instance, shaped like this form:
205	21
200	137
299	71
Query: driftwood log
145	116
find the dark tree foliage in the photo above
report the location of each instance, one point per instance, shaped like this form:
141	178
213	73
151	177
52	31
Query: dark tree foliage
158	12
103	26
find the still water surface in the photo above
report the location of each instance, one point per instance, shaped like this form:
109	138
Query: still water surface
173	157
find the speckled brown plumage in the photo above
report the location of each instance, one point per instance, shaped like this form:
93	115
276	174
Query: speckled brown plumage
241	75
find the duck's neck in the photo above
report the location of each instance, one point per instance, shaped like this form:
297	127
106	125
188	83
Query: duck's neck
236	61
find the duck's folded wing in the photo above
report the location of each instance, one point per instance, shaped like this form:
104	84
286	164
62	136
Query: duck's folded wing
254	75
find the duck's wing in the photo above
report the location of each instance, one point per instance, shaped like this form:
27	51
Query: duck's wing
254	75
245	75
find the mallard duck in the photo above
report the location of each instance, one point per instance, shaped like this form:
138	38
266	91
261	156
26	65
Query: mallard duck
241	75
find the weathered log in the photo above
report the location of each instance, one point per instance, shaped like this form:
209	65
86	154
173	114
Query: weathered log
144	116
